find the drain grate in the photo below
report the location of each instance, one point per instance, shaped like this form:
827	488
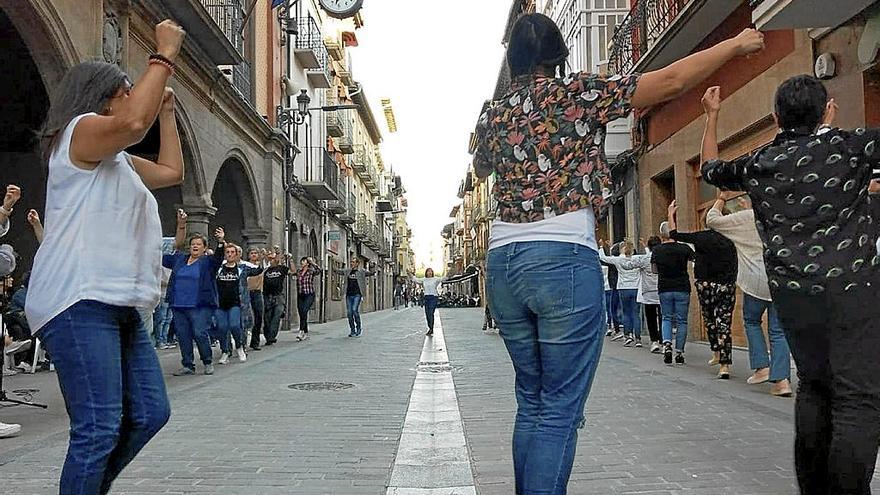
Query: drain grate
321	386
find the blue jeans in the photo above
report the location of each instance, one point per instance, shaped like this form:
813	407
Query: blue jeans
193	324
780	355
229	324
430	306
113	390
612	308
161	322
674	306
632	318
353	308
547	299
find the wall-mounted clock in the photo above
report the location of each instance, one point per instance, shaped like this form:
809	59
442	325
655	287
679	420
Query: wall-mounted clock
342	9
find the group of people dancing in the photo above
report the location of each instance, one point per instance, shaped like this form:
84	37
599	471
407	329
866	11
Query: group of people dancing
805	253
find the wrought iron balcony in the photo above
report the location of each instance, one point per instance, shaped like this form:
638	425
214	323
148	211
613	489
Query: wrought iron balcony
657	32
213	25
362	226
362	161
344	119
339	206
242	81
311	52
322	176
350	214
333	119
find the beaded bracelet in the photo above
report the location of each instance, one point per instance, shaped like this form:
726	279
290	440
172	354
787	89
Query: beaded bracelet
162	58
163	64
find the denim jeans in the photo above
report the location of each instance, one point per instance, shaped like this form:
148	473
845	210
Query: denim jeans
632	317
834	341
112	387
674	306
274	306
612	308
258	308
353	308
229	324
547	299
780	355
193	324
431	303
304	304
161	322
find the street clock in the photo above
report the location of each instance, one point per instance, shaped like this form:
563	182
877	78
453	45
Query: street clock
342	9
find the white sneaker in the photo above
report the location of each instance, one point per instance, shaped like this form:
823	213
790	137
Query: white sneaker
300	336
617	336
242	356
655	347
24	367
18	346
9	430
224	358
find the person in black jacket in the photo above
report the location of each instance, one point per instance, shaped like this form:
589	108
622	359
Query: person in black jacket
715	270
811	192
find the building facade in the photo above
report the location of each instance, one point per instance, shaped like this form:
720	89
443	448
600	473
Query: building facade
248	170
656	33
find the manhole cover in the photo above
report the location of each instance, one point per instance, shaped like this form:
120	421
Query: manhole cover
321	386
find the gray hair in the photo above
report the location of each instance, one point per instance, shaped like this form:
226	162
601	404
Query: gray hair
664	230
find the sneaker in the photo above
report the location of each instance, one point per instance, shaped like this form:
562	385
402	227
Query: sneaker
9	430
781	388
638	343
256	348
616	336
242	356
224	358
24	367
10	372
352	335
430	333
759	377
629	342
667	354
209	369
715	361
184	372
18	346
656	348
679	358
305	336
609	333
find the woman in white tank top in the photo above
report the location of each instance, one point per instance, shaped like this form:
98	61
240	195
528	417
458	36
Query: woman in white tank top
100	259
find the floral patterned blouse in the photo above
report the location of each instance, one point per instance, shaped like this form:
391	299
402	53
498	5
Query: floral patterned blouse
545	141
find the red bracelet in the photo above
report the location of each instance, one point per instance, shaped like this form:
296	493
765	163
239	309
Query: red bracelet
168	66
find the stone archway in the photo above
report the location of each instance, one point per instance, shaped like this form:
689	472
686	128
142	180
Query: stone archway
35	45
235	199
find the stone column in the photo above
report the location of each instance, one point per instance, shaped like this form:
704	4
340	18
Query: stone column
256	238
199	218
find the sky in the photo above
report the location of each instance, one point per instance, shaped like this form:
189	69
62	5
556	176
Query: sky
438	63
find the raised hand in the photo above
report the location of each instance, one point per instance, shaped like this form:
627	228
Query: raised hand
33	218
169	99
220	234
169	38
13	194
830	112
181	217
673	209
749	41
712	100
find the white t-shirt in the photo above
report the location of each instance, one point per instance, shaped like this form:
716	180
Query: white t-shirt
577	227
102	241
431	285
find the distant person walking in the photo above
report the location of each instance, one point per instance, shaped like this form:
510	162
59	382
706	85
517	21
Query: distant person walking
355	289
544	140
273	292
305	294
431	285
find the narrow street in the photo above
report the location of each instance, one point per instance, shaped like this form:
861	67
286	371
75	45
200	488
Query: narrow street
650	429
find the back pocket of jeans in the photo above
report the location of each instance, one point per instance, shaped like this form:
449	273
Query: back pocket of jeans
550	294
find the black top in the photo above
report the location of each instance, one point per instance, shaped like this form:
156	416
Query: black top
671	263
273	280
229	287
352	288
716	255
812	207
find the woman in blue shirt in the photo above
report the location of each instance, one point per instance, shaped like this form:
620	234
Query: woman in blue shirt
192	294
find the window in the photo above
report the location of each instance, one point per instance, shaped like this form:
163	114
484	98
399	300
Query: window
611	4
606	25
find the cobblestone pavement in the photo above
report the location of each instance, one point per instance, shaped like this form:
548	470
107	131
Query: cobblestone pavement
650	429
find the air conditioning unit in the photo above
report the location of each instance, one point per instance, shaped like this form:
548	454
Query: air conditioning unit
287	86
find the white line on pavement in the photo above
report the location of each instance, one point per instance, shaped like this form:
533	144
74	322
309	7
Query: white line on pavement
432	457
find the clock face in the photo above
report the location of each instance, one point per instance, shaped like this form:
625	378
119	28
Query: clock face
342	9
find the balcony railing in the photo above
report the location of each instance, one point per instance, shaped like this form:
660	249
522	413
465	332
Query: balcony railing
311	52
361	160
362	227
345	141
349	215
229	15
640	31
334	119
322	176
242	80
